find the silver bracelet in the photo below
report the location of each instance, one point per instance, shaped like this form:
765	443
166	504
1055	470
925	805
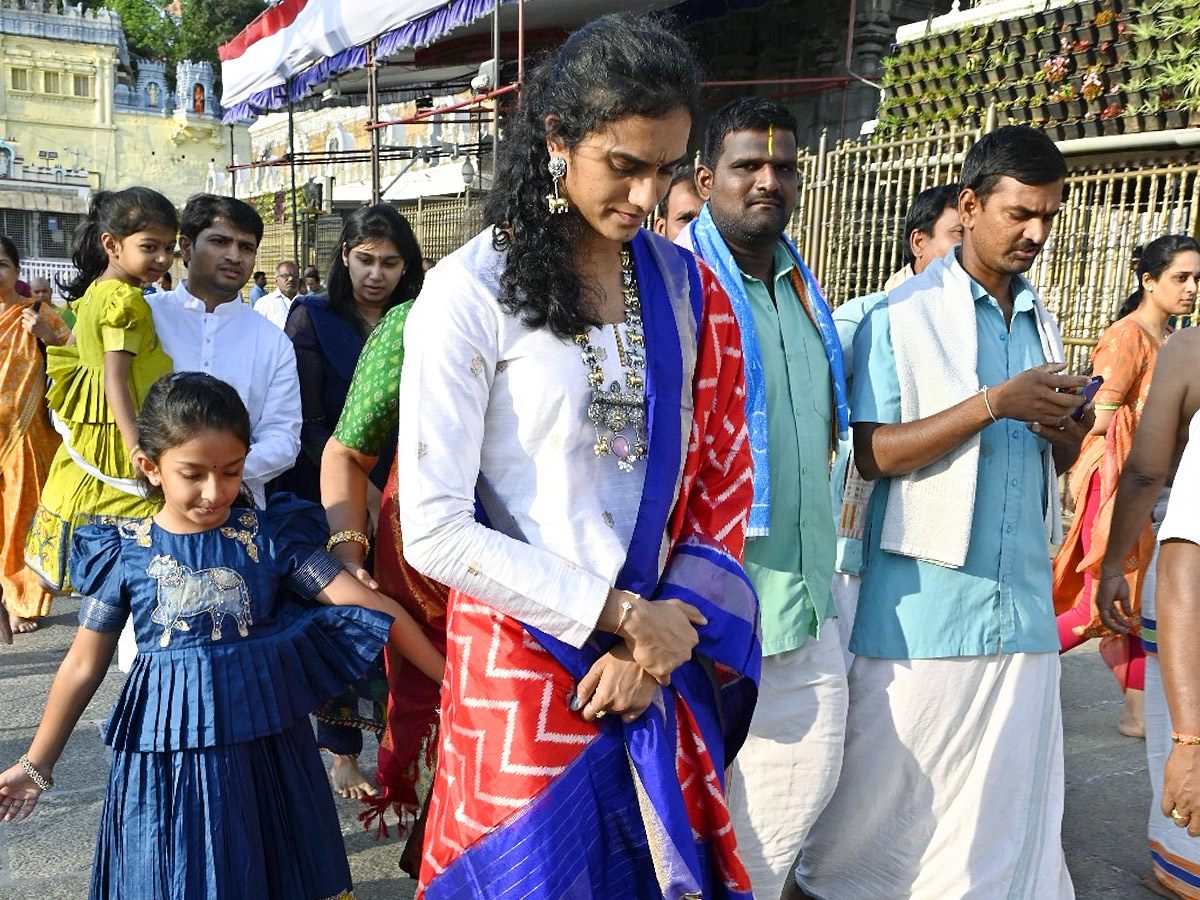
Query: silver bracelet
39	779
626	609
987	403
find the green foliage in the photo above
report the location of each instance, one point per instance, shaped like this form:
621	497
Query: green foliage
206	24
149	32
209	23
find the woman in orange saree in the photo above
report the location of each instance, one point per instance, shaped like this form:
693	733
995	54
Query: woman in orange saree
27	440
1125	356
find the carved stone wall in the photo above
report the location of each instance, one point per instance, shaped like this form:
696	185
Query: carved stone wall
47	19
194	89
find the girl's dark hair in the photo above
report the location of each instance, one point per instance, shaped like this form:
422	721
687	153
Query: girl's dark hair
617	66
1155	259
374	223
119	213
178	407
9	248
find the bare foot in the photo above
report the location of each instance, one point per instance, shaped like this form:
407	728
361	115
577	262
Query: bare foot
21	625
1151	883
1133	717
348	780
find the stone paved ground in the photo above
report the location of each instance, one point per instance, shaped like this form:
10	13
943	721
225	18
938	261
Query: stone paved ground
48	856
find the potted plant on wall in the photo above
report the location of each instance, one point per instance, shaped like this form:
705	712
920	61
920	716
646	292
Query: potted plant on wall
1105	24
1092	87
1110	119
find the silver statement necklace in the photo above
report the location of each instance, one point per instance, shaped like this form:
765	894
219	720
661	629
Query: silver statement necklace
618	412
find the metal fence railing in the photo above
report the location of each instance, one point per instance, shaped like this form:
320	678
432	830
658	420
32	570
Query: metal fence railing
851	206
854	197
444	225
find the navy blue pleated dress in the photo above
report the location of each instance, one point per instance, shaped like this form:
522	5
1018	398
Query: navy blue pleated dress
217	789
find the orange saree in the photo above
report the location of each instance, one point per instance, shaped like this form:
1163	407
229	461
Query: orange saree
27	444
1125	356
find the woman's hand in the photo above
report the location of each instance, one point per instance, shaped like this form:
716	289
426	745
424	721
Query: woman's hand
18	794
615	684
33	323
660	634
351	555
1181	788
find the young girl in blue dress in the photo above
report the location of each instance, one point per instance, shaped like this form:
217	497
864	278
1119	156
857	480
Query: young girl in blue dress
216	788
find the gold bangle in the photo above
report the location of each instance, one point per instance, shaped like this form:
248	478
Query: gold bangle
1188	740
349	534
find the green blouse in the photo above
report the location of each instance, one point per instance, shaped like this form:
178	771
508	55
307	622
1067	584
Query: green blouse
372	410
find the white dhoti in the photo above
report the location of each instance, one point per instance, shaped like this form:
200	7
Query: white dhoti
786	771
951	787
1174	855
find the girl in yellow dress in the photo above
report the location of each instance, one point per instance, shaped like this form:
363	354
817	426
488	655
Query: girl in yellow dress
98	383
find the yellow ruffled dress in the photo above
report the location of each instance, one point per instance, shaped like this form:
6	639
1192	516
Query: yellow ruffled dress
92	477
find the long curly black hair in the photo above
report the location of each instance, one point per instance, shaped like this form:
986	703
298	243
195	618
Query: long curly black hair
617	66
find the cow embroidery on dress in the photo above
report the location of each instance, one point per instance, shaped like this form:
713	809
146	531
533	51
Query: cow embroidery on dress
184	594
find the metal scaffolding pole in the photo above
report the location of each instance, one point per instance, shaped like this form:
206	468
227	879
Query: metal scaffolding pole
495	106
292	168
373	103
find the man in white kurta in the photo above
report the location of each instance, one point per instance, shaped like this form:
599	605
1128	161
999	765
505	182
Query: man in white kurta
275	306
205	327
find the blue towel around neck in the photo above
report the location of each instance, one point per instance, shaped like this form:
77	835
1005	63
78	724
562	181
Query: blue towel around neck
711	247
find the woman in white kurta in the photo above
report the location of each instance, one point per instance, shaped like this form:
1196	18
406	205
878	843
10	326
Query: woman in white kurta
572	462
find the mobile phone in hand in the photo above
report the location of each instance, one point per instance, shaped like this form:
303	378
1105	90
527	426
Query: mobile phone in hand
37	304
1086	393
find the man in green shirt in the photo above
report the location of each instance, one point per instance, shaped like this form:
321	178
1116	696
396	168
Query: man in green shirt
789	766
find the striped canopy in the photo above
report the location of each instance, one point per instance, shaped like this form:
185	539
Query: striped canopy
304	43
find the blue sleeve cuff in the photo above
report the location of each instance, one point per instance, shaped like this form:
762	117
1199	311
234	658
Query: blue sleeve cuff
96	615
314	574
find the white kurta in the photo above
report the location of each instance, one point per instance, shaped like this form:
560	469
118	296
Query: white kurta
484	398
255	357
274	307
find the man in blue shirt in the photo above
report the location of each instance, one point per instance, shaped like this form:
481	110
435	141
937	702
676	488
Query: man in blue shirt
931	230
259	288
952	783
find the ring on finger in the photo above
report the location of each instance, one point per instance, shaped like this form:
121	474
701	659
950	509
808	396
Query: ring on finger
601	714
1178	816
1062	425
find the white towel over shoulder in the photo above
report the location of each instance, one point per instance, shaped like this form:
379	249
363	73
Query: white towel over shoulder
935	340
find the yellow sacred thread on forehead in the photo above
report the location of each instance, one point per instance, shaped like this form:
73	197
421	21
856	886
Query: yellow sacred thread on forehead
770	139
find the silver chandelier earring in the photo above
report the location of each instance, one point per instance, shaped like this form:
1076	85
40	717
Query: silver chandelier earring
556	202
